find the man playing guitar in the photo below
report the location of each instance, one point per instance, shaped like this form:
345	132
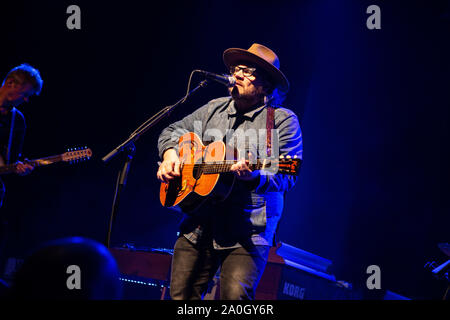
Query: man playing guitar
19	85
236	233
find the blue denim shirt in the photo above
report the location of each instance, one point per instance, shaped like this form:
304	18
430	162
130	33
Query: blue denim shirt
252	210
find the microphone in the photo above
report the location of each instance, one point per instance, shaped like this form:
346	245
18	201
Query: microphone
225	80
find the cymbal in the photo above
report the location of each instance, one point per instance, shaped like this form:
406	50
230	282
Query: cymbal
445	248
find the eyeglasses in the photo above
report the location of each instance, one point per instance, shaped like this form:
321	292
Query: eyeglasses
247	72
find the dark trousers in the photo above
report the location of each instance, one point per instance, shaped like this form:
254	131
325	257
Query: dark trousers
194	266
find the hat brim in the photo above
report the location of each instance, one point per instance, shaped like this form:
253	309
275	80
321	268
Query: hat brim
234	56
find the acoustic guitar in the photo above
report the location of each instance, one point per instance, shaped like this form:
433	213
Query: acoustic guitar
203	172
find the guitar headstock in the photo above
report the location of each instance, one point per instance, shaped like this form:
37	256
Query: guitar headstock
77	154
289	165
284	165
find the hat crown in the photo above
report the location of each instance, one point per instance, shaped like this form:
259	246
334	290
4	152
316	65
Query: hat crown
265	53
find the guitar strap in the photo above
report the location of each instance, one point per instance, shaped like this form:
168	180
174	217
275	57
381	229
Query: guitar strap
11	133
269	126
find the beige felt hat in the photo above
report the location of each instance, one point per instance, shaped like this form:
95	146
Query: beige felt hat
261	57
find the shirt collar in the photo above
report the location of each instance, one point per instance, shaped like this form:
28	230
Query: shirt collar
232	112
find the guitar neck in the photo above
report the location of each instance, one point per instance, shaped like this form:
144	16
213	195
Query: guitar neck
46	161
225	166
11	168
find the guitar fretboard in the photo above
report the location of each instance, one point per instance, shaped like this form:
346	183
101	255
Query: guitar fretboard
224	166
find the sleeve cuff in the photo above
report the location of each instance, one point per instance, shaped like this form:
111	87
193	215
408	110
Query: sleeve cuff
165	148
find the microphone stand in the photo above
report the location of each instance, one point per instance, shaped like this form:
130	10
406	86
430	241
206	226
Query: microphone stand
129	149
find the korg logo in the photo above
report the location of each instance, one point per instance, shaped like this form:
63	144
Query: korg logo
292	290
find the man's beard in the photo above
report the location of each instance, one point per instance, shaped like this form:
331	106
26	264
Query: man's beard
249	101
245	97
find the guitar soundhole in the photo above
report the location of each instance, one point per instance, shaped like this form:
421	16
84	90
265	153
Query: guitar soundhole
197	172
174	186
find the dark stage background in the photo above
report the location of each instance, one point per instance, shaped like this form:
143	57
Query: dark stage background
373	105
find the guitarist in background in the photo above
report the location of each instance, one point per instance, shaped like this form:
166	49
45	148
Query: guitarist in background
19	85
235	234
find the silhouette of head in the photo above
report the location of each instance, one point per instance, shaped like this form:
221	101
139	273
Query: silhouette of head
69	268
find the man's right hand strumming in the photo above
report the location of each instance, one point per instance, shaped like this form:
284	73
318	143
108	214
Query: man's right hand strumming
170	167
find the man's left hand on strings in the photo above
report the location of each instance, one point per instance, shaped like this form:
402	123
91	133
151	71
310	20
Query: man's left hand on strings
23	169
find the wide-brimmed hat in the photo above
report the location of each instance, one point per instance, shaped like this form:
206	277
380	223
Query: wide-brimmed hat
261	57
